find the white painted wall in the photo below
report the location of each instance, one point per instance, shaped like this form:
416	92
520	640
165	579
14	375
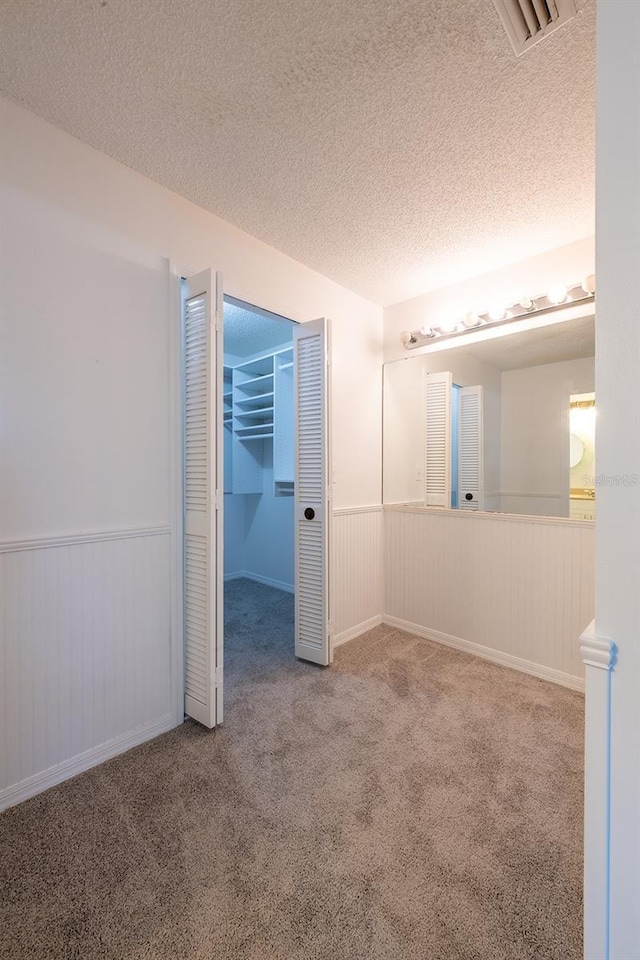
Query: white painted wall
535	435
85	563
85	376
47	163
613	915
86	445
518	591
269	546
534	276
258	531
235	523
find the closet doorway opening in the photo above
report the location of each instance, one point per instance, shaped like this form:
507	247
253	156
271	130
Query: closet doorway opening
254	495
259	469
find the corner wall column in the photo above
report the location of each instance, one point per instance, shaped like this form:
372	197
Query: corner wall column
598	656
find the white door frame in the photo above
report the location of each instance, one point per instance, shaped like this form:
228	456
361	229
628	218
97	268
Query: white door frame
176	491
176	272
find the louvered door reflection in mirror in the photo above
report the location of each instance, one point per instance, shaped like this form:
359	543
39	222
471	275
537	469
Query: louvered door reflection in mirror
470	494
486	426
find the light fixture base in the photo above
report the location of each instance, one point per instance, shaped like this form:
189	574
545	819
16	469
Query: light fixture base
578	294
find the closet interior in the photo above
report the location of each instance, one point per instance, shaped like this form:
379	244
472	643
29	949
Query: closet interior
258	448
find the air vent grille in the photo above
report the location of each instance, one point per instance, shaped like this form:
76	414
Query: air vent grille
529	21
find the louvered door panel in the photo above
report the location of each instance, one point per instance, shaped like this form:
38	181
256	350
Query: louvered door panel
437	447
470	466
196	360
203	520
312	639
197	645
310	588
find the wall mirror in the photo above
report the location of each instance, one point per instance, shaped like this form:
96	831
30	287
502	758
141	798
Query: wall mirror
504	425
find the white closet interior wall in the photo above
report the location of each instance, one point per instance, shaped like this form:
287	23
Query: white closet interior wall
258	501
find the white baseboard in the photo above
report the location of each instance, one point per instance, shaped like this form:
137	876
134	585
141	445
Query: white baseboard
359	628
258	578
84	761
487	653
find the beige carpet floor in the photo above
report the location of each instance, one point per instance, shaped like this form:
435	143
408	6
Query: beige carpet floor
409	802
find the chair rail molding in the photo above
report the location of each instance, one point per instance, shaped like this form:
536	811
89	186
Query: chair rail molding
599	657
76	539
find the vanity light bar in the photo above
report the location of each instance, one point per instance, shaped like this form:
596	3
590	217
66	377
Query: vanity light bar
556	299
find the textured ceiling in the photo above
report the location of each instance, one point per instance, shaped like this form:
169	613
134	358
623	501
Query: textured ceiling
393	145
570	340
247	332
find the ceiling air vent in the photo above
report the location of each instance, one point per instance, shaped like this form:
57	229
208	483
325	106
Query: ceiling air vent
528	21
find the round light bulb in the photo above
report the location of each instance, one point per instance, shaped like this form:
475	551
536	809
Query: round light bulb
448	326
557	294
589	283
527	303
472	319
407	337
497	312
426	330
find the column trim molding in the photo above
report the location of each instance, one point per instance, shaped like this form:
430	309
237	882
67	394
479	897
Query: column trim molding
597	651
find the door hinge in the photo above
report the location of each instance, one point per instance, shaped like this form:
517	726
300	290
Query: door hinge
217	677
218	500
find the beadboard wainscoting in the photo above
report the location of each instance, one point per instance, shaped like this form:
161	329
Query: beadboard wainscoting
515	590
357	572
85	649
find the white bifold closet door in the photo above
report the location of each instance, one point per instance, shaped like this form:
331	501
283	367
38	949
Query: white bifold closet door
470	468
437	437
312	492
203	485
